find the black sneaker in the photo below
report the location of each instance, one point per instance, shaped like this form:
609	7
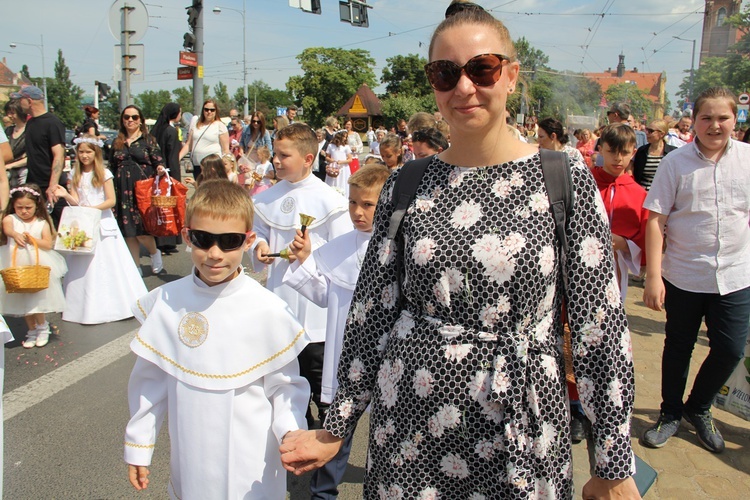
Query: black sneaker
708	433
658	435
579	426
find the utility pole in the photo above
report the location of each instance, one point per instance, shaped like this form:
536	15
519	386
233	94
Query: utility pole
198	73
125	33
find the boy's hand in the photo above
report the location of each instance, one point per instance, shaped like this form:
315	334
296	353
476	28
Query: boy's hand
653	292
619	243
138	476
263	249
301	247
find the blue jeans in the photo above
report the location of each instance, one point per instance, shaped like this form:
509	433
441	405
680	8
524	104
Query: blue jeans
325	481
726	318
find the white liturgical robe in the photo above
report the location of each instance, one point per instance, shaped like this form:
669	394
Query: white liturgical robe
277	212
328	278
221	362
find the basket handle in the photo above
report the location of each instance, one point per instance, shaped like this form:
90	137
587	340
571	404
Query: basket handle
15	249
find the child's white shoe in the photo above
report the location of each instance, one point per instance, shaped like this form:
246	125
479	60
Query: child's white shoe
30	340
157	264
42	336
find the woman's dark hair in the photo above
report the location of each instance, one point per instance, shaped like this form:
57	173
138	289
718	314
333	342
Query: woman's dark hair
169	112
119	142
14	106
434	138
90	110
552	126
262	125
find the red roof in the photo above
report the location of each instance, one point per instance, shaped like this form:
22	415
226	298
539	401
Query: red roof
650	82
8	78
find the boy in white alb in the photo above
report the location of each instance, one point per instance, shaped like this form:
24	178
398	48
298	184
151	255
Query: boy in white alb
226	376
277	212
328	277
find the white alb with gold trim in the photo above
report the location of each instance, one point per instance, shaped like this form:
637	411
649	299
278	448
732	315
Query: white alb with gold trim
221	363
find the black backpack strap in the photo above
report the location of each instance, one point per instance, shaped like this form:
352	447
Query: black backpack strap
559	185
404	190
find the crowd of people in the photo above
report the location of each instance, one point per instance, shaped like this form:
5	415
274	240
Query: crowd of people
448	302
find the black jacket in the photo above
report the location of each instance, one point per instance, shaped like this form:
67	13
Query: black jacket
639	160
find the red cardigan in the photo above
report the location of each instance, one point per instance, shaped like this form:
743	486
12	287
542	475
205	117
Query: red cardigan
623	200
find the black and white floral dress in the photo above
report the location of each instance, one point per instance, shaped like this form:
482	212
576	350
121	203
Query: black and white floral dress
466	379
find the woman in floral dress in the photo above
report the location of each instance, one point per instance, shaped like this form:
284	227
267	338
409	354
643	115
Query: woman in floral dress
135	155
454	335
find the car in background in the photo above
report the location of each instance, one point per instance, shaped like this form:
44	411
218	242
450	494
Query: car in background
70	148
110	135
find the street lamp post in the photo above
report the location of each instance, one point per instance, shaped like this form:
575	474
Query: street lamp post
217	10
13	45
692	67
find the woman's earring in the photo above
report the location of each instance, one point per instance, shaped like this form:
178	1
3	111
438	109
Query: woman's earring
511	90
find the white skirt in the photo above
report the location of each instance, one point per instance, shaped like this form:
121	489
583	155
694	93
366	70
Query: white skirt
102	287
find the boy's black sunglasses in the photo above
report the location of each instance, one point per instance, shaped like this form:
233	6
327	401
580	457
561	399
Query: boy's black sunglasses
484	70
226	241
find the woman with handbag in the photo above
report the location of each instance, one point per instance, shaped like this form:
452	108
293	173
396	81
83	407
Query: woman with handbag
452	335
135	156
207	136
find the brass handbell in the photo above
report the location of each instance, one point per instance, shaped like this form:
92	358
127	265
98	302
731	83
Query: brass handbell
305	220
284	254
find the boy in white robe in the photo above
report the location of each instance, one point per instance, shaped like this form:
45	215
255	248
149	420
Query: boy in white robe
277	216
328	277
227	376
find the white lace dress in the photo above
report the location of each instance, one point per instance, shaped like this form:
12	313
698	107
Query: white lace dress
46	301
101	288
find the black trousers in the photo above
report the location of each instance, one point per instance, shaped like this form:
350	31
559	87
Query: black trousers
726	318
311	367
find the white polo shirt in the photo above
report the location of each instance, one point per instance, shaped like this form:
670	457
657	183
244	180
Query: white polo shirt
708	224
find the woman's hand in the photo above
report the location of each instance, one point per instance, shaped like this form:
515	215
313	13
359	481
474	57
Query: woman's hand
303	451
138	476
604	489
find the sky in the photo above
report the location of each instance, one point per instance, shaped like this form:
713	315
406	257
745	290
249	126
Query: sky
576	35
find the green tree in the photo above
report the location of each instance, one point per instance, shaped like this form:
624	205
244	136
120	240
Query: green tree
405	75
63	96
109	111
528	57
264	98
151	102
712	73
331	77
225	103
398	106
635	98
184	97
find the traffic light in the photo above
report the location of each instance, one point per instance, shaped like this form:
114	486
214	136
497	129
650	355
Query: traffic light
354	12
188	41
103	90
311	6
193	12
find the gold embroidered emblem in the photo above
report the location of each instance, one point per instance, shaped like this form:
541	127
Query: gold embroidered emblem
193	329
